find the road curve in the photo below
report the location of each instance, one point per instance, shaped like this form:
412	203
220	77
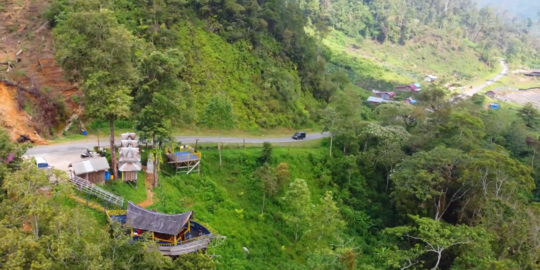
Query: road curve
497	78
81	146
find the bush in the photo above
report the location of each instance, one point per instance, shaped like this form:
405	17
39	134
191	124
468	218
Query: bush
266	155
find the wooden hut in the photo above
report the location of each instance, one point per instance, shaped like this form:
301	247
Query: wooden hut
174	234
93	170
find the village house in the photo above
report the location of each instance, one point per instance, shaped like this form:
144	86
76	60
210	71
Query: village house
410	101
533	73
430	78
376	100
491	94
384	95
92	170
415	87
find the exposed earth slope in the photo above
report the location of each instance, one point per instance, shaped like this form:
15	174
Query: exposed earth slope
28	57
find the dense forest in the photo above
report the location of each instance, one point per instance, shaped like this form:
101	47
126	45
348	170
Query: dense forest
458	21
443	184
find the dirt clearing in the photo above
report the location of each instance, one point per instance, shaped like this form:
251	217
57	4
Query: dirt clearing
520	97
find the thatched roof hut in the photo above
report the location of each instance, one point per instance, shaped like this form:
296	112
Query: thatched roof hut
143	219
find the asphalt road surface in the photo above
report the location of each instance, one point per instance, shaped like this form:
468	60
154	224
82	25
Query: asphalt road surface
61	155
497	78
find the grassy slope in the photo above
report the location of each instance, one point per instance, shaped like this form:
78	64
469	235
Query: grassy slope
216	65
442	56
515	81
229	200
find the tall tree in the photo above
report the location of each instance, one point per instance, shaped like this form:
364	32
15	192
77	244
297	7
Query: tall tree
327	223
283	174
162	101
298	203
269	182
94	49
218	114
329	117
432	180
431	238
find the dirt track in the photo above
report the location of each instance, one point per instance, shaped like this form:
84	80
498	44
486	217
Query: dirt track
149	194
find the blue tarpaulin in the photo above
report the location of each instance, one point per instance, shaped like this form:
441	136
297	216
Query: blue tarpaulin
494	106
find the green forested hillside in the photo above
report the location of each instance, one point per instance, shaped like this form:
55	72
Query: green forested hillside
456	33
280	61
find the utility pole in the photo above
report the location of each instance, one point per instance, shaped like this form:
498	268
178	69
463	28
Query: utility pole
98	139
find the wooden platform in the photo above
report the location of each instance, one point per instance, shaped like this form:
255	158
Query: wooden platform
186	248
185	161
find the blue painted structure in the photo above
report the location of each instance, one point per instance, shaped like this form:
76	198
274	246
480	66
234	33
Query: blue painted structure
185	156
494	106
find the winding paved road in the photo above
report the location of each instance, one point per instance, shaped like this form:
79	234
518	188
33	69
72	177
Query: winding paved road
499	76
81	146
60	155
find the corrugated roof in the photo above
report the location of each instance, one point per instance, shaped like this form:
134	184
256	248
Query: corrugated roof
132	143
375	99
40	160
129	154
140	218
90	166
130	167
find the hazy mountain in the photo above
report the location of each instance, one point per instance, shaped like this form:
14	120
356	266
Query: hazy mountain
521	8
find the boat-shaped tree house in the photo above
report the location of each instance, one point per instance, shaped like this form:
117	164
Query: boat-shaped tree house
174	235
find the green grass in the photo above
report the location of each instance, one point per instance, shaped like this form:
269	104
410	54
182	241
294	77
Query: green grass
72	204
295	144
130	192
237	133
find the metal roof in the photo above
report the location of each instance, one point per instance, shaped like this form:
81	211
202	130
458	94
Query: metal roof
40	160
130	167
90	166
127	143
375	99
143	219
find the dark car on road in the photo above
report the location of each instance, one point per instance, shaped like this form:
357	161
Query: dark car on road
299	135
